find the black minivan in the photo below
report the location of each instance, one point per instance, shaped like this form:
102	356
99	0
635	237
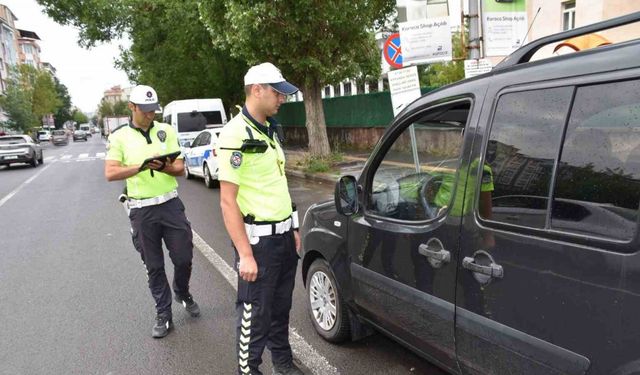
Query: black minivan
494	228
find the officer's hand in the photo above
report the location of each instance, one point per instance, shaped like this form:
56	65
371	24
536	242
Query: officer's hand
157	165
248	269
296	236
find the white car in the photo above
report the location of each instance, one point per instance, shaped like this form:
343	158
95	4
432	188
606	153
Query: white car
201	159
44	136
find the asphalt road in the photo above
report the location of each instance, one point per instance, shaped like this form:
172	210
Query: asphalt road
74	295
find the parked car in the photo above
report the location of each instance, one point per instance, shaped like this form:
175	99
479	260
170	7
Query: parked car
20	149
59	137
44	135
79	135
494	228
201	159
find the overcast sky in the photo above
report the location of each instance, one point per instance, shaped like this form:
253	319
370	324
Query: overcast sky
86	73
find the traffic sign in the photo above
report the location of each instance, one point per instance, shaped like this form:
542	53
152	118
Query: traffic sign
392	52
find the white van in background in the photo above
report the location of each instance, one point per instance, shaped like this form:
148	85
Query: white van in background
189	117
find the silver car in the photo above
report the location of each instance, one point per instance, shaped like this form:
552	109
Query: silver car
20	149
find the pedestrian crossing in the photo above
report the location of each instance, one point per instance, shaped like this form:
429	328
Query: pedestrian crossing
69	158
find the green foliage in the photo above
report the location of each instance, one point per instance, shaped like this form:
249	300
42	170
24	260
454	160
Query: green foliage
119	108
30	94
45	95
63	114
183	62
312	42
441	74
318	164
171	49
79	117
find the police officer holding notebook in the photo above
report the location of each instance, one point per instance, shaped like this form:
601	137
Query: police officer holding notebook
136	153
261	222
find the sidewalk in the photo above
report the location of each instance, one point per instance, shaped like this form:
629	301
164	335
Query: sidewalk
352	164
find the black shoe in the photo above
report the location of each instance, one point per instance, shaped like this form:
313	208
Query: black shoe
288	369
162	327
189	304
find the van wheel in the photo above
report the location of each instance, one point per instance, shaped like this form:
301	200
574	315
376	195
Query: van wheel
187	174
327	310
208	180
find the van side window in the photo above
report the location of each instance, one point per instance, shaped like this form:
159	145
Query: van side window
597	189
416	179
522	149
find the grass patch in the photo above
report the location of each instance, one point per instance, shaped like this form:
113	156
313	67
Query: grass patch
312	164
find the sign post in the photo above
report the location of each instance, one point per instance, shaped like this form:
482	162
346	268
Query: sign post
392	52
425	41
404	85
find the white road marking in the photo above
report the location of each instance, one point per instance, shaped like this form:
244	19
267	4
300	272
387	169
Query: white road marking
49	158
100	155
83	156
16	190
65	157
304	352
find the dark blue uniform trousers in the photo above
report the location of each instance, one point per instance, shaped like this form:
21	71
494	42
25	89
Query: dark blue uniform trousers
150	225
263	306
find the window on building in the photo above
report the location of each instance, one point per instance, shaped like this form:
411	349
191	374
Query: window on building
568	15
327	91
27	48
347	88
437	8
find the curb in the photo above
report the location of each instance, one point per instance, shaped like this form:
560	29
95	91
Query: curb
320	177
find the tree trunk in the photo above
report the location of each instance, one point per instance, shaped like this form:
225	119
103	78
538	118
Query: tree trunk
315	123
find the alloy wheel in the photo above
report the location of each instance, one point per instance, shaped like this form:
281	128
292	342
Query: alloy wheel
322	296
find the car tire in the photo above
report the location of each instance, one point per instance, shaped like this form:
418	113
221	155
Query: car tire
208	180
41	159
34	160
330	317
187	174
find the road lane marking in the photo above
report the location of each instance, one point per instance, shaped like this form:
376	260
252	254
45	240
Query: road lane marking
27	182
100	155
304	352
64	157
83	156
48	158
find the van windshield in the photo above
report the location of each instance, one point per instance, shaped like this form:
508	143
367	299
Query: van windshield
197	121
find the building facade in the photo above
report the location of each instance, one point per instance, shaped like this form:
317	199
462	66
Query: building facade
29	49
9	42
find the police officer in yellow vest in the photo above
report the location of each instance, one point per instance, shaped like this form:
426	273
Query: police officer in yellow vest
261	222
155	211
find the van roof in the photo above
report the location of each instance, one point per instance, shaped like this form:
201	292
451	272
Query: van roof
189	105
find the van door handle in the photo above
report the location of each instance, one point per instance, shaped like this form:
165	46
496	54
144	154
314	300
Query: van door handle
435	253
492	270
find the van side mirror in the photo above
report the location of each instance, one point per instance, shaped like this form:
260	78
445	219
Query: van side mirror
346	195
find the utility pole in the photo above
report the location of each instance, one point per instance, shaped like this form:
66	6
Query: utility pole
474	30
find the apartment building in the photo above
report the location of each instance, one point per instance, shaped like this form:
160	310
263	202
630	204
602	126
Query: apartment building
28	48
554	16
9	42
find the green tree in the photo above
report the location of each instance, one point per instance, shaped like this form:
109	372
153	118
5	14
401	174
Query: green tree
171	49
119	108
313	43
63	114
45	95
79	117
30	94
